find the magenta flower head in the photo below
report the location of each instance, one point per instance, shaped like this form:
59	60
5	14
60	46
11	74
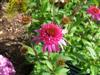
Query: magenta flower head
94	12
6	67
51	35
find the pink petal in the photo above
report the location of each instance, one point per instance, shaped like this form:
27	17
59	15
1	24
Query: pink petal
53	48
44	48
49	48
62	42
57	48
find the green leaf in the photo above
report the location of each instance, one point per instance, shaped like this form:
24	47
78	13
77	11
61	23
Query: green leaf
86	42
92	52
93	69
38	48
45	6
96	2
61	71
30	55
30	50
50	66
46	73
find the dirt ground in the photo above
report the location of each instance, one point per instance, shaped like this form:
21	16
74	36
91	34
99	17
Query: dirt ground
13	53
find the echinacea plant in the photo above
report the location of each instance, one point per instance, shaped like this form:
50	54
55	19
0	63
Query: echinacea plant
6	67
52	36
94	12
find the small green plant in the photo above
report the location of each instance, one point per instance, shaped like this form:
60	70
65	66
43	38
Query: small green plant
17	5
54	23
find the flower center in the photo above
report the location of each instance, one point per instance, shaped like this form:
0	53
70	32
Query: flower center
96	10
50	32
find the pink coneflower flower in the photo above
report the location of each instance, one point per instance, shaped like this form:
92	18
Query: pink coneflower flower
6	67
51	35
95	12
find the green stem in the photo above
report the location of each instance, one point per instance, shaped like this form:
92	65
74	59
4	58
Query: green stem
53	11
36	54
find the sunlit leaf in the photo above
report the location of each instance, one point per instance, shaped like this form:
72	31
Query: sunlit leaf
50	66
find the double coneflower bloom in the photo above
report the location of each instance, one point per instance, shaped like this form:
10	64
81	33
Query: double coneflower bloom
52	36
